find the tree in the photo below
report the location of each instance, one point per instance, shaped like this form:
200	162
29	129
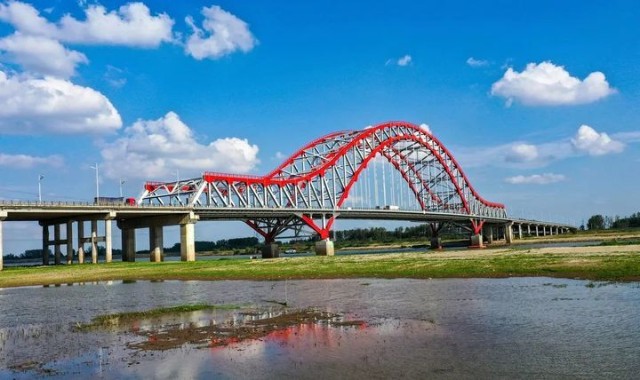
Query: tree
596	222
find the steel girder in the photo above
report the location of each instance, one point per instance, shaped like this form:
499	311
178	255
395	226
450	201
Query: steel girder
321	174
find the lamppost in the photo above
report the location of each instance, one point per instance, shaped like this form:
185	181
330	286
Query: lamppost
97	182
40	178
122	181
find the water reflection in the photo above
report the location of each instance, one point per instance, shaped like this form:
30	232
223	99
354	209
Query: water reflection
523	327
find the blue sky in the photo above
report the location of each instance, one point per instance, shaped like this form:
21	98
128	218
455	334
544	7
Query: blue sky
537	100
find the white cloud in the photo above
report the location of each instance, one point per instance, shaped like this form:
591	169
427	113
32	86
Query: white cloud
280	156
50	105
131	25
589	141
405	60
628	137
23	161
41	55
548	84
526	156
477	62
25	18
425	127
154	149
522	153
222	33
535	179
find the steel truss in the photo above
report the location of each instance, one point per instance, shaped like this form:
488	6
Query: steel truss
321	174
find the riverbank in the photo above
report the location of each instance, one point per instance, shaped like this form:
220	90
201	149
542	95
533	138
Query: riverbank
603	263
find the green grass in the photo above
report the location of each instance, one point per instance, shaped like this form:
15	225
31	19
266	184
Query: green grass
623	266
117	319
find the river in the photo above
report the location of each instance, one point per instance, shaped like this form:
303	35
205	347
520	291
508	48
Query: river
401	328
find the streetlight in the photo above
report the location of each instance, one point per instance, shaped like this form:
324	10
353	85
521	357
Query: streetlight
97	182
40	178
122	181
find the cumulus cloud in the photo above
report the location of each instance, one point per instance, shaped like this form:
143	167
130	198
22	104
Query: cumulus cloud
41	55
23	161
524	155
50	105
222	33
535	179
589	141
131	25
156	148
425	127
547	84
477	62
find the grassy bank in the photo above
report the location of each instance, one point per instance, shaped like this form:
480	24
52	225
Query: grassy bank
614	263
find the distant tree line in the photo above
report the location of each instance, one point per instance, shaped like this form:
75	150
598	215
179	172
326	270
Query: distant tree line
220	245
599	222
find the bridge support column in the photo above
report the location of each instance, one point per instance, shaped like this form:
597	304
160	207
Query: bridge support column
508	233
476	238
156	249
108	244
45	244
528	229
436	241
56	244
69	242
324	248
1	244
270	250
544	230
80	242
488	233
520	231
94	241
187	242
537	233
128	244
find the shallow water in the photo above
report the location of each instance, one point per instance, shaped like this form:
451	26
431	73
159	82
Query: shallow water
450	328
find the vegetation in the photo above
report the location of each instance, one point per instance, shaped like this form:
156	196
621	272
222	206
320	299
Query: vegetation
599	222
127	317
607	263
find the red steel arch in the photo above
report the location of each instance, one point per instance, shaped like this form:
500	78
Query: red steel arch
320	176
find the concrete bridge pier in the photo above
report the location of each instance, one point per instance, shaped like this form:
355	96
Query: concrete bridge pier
3	215
324	248
80	242
94	241
69	239
520	231
45	244
187	241
436	241
488	233
57	253
156	241
270	250
128	244
508	233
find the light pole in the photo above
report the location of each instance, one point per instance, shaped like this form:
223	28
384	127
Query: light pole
121	183
97	182
40	178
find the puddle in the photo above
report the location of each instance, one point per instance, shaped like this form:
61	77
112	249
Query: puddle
241	327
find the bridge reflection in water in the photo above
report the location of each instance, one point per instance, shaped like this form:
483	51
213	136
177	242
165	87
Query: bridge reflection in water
393	171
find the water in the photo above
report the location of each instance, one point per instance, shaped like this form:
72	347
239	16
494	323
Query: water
449	328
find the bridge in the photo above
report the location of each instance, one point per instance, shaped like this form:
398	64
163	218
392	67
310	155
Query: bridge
392	171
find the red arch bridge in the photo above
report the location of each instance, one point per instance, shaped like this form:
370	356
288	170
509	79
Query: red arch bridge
392	171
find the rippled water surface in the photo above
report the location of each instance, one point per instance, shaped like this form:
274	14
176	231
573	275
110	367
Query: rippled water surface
453	328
